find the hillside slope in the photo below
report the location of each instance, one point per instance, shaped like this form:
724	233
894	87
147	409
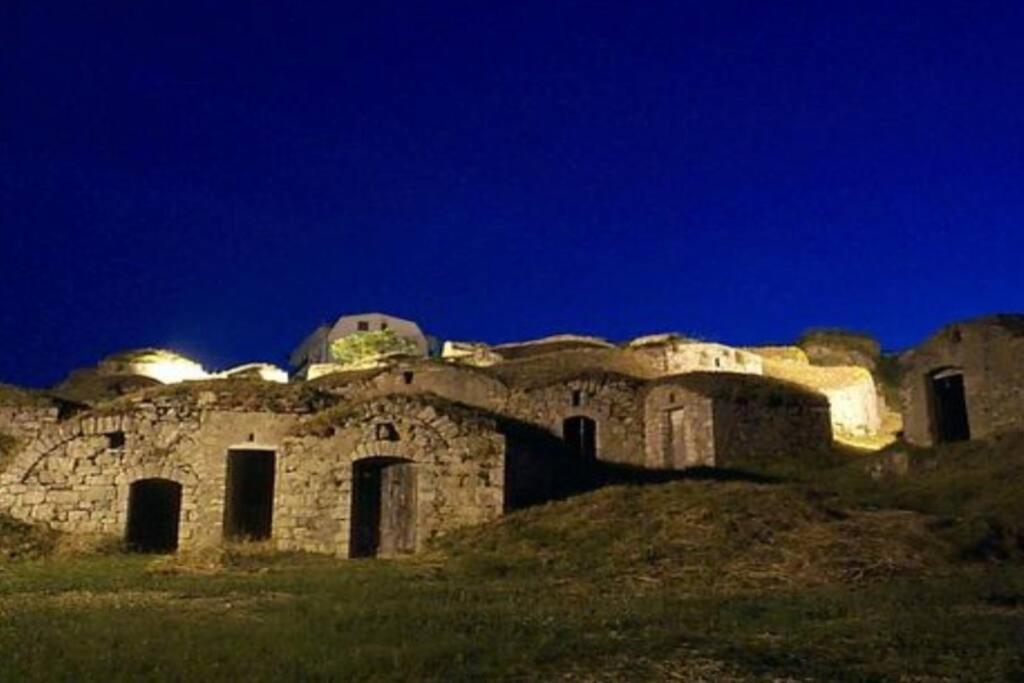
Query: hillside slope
703	535
976	489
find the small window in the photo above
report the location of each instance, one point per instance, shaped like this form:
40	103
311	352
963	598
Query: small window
383	326
363	326
386	431
407	377
577	397
956	335
718	362
671	398
115	440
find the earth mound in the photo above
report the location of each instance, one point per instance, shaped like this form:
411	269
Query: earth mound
701	535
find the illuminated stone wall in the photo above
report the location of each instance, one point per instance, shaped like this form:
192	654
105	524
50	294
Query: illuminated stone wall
457	454
26	423
76	476
478	440
851	391
676	356
728	420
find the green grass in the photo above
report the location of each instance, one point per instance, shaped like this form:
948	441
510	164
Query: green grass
827	575
113	619
20	541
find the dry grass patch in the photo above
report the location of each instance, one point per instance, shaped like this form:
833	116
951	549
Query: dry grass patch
699	536
22	541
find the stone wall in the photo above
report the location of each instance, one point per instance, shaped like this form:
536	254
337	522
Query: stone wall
77	476
725	419
676	356
458	456
763	427
851	392
678	427
467	442
612	401
458	383
990	353
25	423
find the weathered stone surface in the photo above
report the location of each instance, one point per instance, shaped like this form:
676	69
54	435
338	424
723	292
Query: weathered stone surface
989	355
465	443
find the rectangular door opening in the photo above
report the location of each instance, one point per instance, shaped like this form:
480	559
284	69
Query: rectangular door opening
949	407
249	498
383	517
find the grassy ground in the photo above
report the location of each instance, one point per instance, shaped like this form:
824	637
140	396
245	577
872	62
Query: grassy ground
302	619
824	576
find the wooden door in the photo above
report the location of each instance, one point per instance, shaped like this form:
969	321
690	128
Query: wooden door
398	509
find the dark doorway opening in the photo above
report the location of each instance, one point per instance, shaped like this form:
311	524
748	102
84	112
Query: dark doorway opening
383	517
949	406
154	511
249	498
580	434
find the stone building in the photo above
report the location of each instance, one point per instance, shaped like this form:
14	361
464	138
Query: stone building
965	382
672	354
730	420
316	348
235	459
380	461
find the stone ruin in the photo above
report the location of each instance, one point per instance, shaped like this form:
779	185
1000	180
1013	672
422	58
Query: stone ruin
377	462
965	382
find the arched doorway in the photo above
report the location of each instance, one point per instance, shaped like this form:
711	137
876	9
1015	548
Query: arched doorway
383	515
580	435
948	403
249	495
154	512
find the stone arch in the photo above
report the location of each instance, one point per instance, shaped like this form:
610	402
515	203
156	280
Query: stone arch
181	474
60	435
413	427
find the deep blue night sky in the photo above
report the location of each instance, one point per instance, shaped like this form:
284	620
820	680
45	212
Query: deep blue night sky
220	177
